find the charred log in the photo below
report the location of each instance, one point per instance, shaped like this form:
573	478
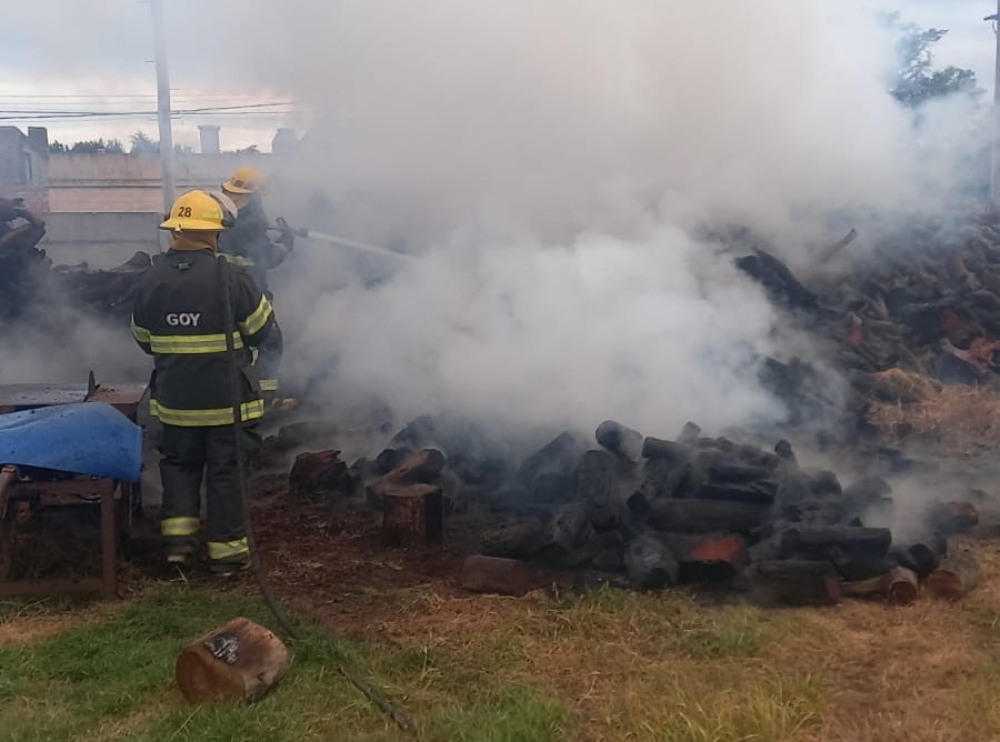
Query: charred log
952	518
656	448
707	559
319	472
761	492
817	541
707	516
619	439
899	586
515	540
957	575
795	583
649	564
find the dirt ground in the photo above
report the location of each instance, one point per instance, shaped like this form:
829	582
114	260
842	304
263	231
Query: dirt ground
926	672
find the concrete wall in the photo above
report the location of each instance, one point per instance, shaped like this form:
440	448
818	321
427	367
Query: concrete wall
102	240
23	168
120	183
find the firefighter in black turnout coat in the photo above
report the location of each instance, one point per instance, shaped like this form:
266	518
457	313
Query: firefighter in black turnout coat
179	318
249	245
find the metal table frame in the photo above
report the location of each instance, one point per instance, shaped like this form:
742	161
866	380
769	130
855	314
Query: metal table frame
62	492
14	490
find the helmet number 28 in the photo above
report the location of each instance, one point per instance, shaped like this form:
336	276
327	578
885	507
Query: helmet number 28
184	211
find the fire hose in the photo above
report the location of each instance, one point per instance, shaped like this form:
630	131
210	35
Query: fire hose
308	234
370	692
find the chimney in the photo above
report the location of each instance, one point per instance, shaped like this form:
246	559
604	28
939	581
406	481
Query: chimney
209	139
38	139
285	143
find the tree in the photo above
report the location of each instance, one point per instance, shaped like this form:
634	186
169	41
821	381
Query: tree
143	144
251	150
90	146
57	147
916	81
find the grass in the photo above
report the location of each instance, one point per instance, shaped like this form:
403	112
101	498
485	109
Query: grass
955	420
114	680
608	665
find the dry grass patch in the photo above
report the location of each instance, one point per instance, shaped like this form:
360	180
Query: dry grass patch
608	665
28	621
956	420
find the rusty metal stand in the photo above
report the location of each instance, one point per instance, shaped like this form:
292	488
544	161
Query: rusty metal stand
14	490
63	492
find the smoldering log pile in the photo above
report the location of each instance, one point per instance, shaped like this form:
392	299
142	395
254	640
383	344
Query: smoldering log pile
708	510
925	302
29	279
650	513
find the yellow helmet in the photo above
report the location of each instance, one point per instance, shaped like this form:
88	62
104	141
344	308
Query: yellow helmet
201	211
246	180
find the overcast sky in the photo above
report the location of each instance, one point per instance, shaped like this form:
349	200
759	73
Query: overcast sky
68	55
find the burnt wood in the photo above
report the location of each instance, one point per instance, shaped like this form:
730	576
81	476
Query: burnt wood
954	578
795	582
707	516
649	564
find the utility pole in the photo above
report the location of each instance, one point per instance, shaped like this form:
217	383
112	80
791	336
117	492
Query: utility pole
995	165
163	106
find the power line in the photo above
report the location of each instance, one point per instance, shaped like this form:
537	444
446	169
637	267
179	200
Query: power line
63	115
203	109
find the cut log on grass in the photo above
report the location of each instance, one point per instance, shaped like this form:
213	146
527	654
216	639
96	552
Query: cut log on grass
485	574
706	516
412	514
899	586
957	575
239	661
795	582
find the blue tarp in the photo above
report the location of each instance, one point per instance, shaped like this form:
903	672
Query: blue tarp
84	438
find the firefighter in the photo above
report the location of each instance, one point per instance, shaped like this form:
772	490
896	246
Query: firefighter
248	242
179	318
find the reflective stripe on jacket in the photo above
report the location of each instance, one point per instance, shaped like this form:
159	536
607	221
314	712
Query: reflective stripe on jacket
179	319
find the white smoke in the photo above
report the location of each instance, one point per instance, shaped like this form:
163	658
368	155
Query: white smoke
550	162
653	332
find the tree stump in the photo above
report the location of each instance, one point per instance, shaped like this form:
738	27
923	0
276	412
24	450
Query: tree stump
412	514
239	661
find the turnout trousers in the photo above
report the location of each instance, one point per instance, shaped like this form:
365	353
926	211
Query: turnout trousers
191	455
